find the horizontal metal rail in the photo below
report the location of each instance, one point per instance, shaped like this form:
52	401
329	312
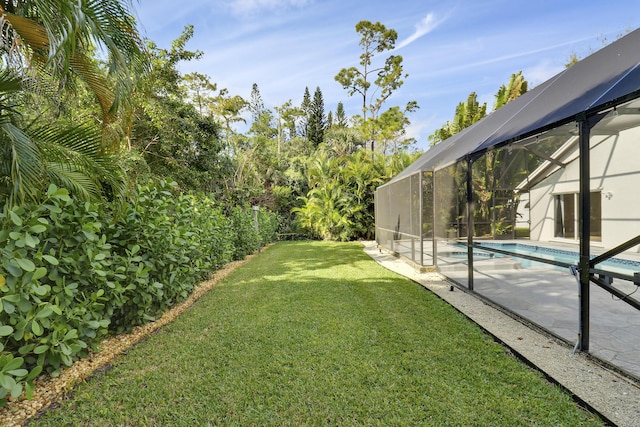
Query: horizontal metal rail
615	251
592	272
529	257
615	275
399	232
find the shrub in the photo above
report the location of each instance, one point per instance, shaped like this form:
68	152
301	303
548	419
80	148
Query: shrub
71	272
165	245
53	273
245	238
269	224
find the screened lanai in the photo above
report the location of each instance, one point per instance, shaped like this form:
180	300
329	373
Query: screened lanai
537	206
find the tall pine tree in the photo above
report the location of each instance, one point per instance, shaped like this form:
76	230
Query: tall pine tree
306	108
317	119
256	105
341	118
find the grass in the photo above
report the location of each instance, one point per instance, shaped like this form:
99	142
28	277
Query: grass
316	333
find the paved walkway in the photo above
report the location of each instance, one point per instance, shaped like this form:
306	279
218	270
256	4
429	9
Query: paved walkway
615	397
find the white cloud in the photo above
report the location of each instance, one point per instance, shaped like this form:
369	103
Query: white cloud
542	71
425	26
250	7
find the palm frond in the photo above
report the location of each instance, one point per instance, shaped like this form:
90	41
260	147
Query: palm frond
79	184
79	147
24	37
61	34
9	82
90	73
20	165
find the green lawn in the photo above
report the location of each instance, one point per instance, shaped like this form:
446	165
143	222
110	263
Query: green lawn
316	333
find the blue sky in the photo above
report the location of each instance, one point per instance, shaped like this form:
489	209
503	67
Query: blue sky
450	48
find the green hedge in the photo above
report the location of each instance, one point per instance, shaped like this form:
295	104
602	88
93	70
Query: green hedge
73	272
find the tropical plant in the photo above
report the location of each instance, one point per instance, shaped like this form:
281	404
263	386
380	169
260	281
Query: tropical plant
517	86
492	213
467	113
46	49
60	41
339	204
342	141
173	128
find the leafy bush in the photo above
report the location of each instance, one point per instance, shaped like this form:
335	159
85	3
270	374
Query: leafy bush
71	272
165	245
269	223
52	279
245	237
340	202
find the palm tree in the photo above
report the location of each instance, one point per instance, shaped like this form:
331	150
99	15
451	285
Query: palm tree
49	45
517	86
59	37
467	113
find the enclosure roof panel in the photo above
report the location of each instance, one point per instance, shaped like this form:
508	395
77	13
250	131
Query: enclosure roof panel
604	79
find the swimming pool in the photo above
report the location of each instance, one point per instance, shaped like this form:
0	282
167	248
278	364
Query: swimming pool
616	265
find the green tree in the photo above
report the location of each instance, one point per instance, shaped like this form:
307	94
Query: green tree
263	125
376	38
60	40
255	162
342	141
488	172
390	129
317	119
169	134
256	105
470	111
341	118
288	118
517	86
305	106
467	113
200	90
228	110
48	50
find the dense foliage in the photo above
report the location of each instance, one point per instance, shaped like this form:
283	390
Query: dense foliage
71	272
339	205
471	111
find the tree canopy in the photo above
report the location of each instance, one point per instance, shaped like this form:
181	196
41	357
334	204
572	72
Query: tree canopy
470	111
375	39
